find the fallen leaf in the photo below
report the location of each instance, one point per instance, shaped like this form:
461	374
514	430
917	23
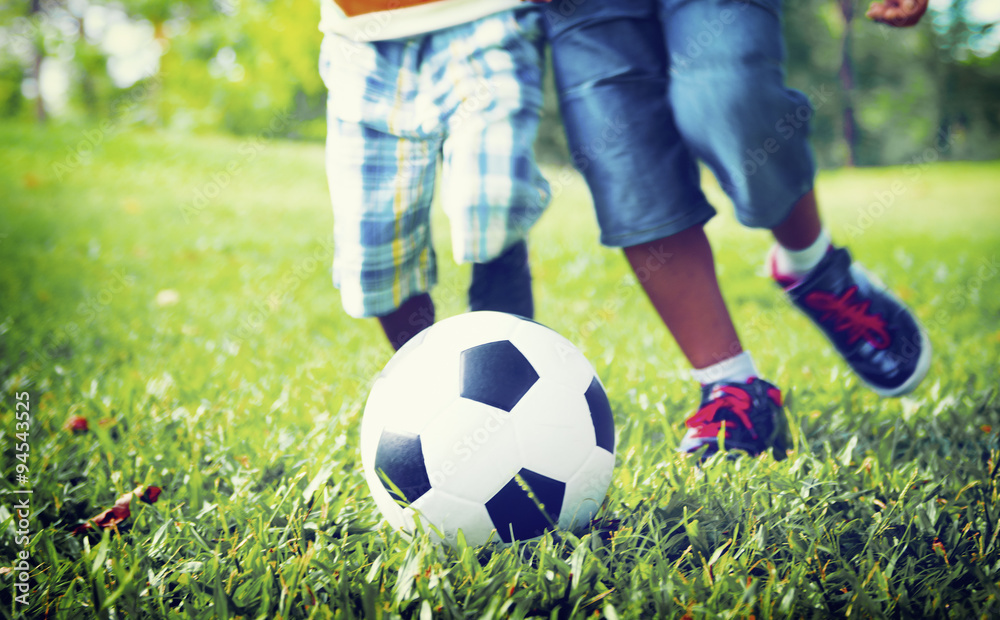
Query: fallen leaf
151	494
77	424
109	518
121	510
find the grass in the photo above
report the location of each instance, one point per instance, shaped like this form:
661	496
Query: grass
204	344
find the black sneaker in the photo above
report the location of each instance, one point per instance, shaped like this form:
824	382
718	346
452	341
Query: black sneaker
876	334
750	415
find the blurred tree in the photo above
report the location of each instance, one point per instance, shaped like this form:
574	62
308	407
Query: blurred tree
847	81
38	55
12	75
890	83
813	31
898	87
251	70
968	84
880	95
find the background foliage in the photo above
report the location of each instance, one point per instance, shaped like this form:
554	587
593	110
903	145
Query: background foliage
238	65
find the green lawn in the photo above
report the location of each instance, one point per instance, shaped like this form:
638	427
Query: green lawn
175	292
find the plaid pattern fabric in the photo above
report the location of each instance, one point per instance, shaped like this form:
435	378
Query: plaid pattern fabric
466	98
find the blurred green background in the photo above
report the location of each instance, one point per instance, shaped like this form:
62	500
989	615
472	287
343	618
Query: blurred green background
248	67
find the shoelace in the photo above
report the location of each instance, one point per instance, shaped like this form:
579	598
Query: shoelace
731	398
850	315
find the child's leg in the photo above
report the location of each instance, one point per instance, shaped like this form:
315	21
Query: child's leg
384	263
612	71
381	177
803	225
502	285
697	318
491	187
735	112
415	315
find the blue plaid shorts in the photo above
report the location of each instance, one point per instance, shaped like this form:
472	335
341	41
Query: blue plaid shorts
466	98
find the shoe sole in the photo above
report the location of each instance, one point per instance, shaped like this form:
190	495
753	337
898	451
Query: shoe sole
923	366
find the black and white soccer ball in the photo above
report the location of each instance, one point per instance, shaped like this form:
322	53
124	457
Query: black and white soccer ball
490	424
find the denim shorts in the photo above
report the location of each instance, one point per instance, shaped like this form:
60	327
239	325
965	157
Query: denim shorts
466	98
649	87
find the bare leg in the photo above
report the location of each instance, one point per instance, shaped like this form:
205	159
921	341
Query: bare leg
415	315
802	226
502	285
678	275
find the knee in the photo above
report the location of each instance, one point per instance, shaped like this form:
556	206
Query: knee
743	115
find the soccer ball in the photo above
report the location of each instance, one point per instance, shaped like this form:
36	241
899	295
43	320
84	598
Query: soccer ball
490	424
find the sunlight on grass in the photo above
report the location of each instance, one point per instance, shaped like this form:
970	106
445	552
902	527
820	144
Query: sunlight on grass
175	292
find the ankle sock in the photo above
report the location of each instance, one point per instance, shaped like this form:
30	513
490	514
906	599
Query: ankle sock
797	263
735	369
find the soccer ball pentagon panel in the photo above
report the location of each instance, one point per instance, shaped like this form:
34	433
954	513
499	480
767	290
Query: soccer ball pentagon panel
490	424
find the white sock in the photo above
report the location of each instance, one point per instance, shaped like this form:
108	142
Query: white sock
797	263
735	369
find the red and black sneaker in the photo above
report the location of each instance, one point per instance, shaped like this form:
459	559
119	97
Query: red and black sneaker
749	416
876	334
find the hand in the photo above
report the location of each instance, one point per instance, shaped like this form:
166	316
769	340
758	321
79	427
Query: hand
898	13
